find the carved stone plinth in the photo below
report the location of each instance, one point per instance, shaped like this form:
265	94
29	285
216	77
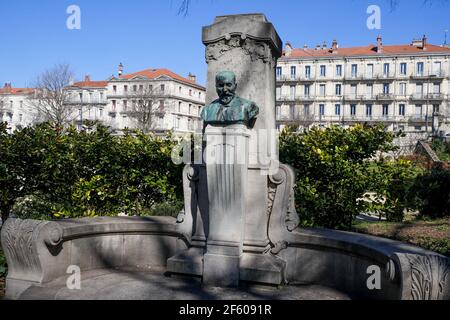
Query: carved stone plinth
226	157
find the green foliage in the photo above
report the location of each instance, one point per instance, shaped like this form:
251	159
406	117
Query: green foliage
392	182
171	209
432	193
67	173
442	149
3	265
332	170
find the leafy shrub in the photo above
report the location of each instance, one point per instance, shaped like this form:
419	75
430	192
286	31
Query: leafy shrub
431	190
164	209
3	265
32	207
86	173
392	181
332	170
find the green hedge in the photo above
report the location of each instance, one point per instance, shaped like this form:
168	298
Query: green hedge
55	172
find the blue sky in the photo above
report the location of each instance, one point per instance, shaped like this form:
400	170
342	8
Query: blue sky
151	34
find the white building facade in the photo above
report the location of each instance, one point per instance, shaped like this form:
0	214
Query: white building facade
405	87
176	101
14	107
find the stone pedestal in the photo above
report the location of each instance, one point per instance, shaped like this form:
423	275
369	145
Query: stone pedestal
226	158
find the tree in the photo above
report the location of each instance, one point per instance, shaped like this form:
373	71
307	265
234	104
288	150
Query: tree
145	108
51	99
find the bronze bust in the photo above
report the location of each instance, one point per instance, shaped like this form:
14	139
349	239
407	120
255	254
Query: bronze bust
229	108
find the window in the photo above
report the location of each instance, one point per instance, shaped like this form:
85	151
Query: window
419	89
369	90
385	88
306	109
322	89
339	70
162	88
323	71
337	109
403	88
279	72
150	88
179	89
125	104
353	109
125	88
437	68
161	105
190	92
278	112
179	106
190	108
420	68
199	95
278	92
292	92
113	105
292	112
437	88
418	111
368	110
370	70
418	128
189	124
21	104
114	89
435	108
353	89
293	72
401	109
134	88
386	69
307	90
176	122
385	110
21	116
141	87
338	89
307	72
100	112
321	109
354	70
403	68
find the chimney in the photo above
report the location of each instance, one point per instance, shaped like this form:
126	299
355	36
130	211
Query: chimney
379	44
334	46
424	42
305	46
192	77
8	85
87	78
120	70
318	47
288	49
324	45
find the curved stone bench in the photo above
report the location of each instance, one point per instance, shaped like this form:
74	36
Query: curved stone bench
38	252
343	260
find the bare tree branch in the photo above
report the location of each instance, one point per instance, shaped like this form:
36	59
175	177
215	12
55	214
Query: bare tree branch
51	99
145	108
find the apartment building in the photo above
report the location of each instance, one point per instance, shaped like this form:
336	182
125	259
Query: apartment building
405	87
174	101
14	107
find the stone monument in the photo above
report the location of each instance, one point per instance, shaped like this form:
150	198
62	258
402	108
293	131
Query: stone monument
239	222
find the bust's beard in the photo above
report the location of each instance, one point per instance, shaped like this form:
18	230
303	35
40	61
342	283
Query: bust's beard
226	99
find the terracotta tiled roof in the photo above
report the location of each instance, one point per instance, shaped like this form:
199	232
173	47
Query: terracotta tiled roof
16	91
367	50
155	73
91	84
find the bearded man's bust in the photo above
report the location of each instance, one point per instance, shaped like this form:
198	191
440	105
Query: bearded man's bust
229	108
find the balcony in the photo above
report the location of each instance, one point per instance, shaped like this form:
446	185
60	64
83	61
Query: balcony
419	119
440	75
385	96
435	96
296	78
